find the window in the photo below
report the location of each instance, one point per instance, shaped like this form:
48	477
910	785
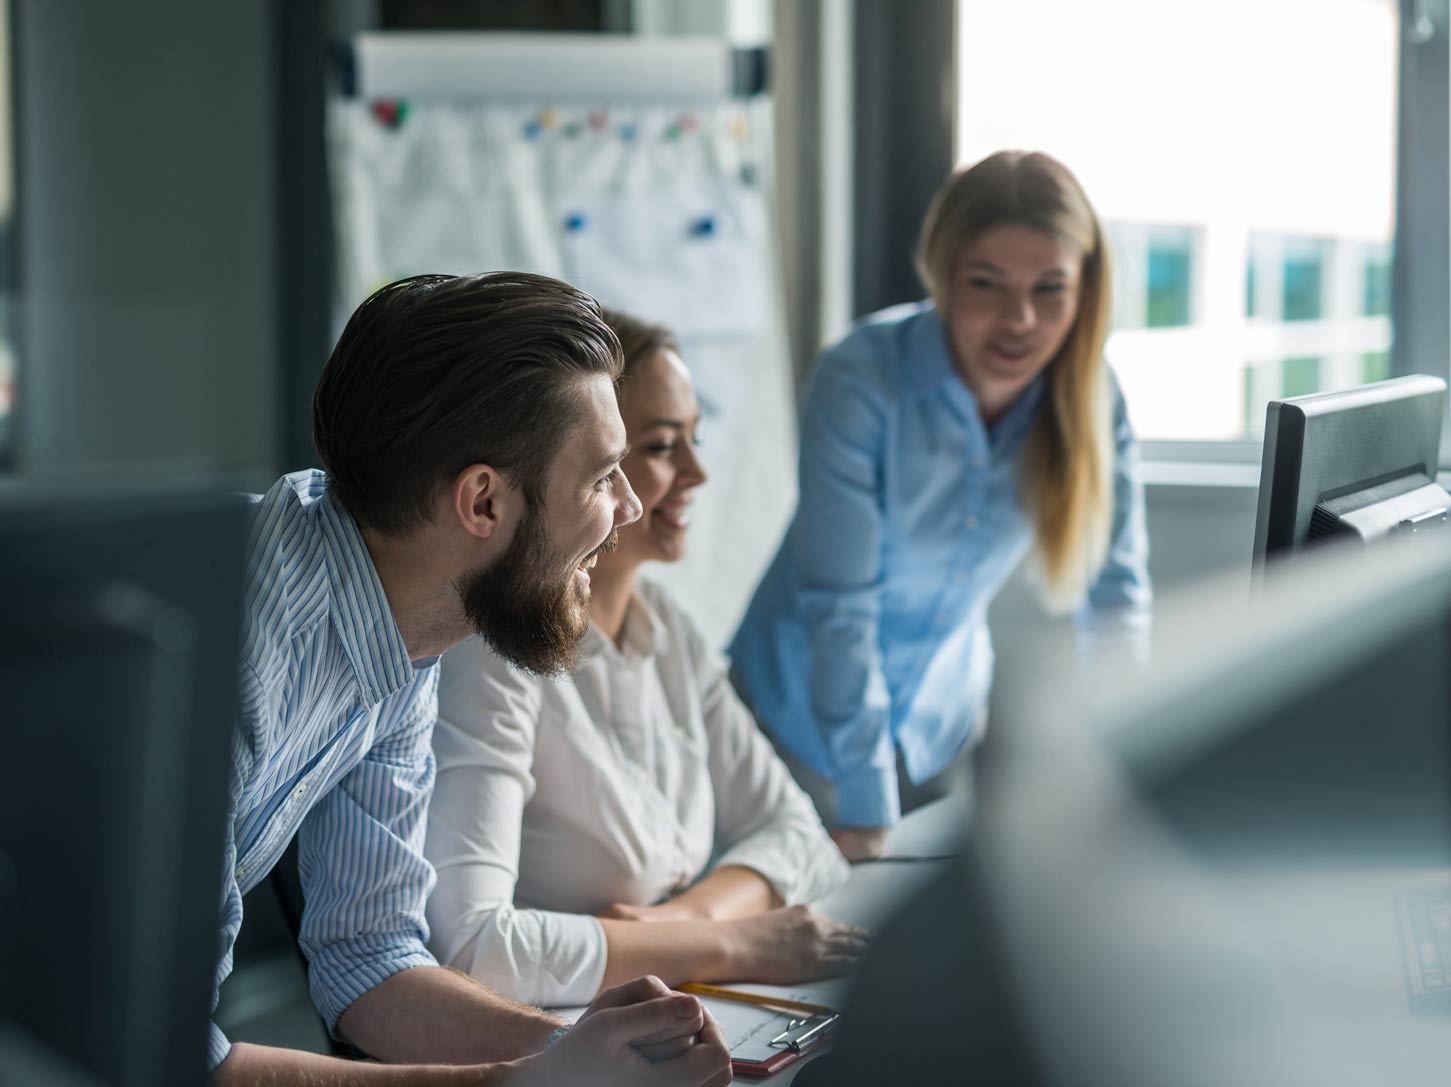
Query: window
1303	280
1376	281
1153	274
1250	216
1167	286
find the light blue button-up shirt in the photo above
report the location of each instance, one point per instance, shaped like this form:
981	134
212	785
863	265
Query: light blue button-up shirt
334	746
869	631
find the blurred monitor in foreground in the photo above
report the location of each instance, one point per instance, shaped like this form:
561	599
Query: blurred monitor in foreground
1359	464
1222	869
118	658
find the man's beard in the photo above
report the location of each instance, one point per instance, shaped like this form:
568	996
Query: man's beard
527	605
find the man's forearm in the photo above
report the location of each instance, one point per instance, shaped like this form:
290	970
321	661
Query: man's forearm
265	1066
431	1014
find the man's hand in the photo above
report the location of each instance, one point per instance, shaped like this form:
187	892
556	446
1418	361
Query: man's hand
795	944
860	843
640	1033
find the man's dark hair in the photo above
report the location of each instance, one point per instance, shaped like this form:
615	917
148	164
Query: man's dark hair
436	372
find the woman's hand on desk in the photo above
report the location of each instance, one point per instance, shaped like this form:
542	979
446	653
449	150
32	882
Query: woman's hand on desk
784	946
860	843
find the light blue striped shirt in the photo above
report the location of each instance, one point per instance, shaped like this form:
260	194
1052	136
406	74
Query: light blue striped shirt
334	746
868	633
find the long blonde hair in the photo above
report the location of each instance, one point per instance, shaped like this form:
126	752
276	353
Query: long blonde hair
1067	466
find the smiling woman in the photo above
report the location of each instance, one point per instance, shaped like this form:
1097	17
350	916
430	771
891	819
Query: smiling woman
571	811
940	443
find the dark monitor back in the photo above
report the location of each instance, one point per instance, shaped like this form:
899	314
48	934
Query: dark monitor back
1311	719
1380	441
1199	870
1352	769
118	649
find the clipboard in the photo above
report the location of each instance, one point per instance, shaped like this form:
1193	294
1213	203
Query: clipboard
765	1033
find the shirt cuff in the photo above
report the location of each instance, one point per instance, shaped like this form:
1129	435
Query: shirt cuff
868	799
783	879
340	973
218	1048
812	878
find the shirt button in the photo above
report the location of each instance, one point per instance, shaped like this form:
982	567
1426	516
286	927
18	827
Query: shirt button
970	522
976	462
960	578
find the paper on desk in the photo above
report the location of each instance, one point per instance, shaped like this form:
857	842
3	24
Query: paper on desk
747	1028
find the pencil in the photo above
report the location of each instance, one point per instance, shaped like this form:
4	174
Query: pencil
695	988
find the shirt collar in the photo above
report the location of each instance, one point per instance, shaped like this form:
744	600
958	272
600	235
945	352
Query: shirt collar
360	613
1021	412
643	634
929	360
929	366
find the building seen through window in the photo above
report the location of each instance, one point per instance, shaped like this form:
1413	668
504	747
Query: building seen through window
1250	217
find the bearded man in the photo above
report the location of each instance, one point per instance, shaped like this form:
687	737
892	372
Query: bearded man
471	443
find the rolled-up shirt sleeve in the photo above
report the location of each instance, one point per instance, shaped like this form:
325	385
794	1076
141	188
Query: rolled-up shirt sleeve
763	820
838	540
229	916
485	749
1116	613
364	876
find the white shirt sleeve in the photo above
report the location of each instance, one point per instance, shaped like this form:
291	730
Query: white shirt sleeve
763	820
484	744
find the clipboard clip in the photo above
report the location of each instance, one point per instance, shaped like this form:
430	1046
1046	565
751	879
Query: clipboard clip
800	1033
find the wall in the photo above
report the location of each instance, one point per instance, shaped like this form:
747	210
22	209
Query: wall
147	309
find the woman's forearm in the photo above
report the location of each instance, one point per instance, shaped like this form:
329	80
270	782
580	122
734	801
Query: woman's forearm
730	891
674	951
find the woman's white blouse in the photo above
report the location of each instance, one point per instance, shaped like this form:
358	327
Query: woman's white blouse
558	797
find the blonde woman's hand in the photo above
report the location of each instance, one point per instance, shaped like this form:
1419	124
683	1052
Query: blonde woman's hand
860	843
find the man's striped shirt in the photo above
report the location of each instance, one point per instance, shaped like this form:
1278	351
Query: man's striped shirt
334	746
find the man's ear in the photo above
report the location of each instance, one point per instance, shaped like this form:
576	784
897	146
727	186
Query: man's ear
483	501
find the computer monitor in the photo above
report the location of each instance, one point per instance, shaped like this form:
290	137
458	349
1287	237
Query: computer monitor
118	657
1359	464
1212	870
1236	846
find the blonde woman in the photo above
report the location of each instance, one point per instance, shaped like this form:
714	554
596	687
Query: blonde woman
940	443
628	817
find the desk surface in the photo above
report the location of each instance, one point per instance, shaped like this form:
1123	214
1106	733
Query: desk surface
918	849
875	890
